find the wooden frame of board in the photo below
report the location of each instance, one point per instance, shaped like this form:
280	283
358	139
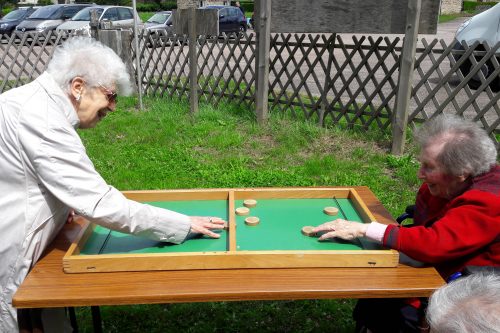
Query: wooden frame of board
75	262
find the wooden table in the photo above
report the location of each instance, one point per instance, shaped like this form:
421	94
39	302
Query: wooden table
48	286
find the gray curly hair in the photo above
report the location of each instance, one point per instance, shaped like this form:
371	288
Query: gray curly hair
469	304
467	149
90	60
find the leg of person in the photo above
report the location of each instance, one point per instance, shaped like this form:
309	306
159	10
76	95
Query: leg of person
55	320
387	315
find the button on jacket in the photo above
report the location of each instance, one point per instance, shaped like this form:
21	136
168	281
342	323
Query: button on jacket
45	171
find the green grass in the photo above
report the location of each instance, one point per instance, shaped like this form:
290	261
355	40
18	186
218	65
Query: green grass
448	17
166	148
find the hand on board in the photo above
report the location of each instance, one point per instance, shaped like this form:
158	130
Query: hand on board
204	224
339	228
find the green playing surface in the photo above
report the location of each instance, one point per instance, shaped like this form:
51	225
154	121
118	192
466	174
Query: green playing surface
281	221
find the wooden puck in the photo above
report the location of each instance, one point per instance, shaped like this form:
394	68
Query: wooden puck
307	231
252	220
250	203
241	211
332	211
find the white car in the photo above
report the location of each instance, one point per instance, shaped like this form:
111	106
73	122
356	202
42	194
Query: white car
485	29
119	16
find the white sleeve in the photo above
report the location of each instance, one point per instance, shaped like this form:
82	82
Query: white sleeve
376	231
63	167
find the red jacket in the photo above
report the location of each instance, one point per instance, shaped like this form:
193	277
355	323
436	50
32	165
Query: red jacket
451	234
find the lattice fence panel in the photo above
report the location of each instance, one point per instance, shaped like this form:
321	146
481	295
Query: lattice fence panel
347	79
164	64
319	76
443	80
24	58
363	81
226	67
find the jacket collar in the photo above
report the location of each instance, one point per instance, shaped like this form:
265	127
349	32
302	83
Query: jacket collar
59	97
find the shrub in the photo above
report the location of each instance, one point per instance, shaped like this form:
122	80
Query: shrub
470	6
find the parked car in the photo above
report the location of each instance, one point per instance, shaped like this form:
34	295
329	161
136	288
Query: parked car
10	21
160	28
119	16
160	21
231	19
485	29
47	18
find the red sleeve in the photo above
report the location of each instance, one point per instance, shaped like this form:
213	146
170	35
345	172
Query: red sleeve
471	222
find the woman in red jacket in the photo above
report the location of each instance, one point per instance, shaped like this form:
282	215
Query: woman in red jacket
457	215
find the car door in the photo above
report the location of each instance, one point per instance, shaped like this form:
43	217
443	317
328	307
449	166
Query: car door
224	20
233	13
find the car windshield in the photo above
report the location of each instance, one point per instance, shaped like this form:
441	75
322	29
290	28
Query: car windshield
159	18
47	13
15	15
84	14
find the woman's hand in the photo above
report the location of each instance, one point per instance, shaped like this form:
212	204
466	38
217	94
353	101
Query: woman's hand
204	224
343	229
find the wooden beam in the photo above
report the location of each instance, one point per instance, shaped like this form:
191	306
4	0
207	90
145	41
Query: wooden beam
350	16
407	62
193	62
263	30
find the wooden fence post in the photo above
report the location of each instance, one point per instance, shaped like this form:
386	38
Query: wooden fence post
406	69
262	61
330	45
119	41
193	61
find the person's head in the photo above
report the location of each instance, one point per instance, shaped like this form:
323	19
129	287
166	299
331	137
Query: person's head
468	304
451	151
237	4
91	74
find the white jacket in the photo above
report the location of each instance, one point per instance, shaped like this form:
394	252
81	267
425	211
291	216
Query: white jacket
45	171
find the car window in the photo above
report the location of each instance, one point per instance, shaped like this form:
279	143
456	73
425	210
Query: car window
159	18
84	14
14	15
234	11
110	14
69	12
125	14
47	12
223	12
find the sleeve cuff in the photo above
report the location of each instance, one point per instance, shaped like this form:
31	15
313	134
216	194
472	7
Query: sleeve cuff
376	231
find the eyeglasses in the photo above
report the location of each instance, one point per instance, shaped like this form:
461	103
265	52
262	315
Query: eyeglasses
111	96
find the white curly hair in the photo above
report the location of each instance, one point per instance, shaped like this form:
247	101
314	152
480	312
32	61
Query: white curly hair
89	59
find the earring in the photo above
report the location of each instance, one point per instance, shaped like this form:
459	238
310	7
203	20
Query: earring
78	97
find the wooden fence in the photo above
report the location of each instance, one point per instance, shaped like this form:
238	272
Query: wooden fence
326	78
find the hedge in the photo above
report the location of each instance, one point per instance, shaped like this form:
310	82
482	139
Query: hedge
470	6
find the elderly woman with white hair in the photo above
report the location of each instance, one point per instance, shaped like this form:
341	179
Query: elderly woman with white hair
456	220
467	305
46	173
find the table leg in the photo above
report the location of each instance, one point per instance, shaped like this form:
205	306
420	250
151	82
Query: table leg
96	319
72	319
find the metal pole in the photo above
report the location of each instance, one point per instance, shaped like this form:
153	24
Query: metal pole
137	60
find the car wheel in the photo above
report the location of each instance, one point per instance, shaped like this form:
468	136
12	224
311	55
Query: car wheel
486	69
